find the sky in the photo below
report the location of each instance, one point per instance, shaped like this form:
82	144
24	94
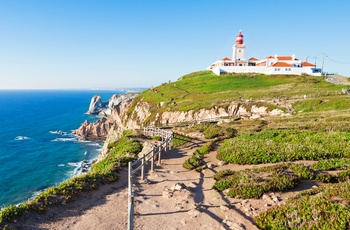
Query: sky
79	44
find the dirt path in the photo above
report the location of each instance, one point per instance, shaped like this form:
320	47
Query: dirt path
171	198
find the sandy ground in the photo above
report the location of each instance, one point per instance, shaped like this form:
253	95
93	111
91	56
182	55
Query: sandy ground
170	198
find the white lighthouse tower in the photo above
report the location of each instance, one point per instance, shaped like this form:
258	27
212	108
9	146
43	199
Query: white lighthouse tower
238	51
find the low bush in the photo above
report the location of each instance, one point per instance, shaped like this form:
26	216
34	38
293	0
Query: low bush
332	164
270	146
195	161
326	178
212	131
302	171
344	176
130	133
223	174
179	140
311	209
253	183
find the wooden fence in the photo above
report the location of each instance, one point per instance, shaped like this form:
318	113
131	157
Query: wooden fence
139	164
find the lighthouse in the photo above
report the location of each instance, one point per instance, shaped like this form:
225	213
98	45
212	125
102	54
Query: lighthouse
238	51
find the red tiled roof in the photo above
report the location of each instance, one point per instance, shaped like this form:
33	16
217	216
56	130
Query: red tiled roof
307	64
282	58
253	59
282	64
285	58
226	59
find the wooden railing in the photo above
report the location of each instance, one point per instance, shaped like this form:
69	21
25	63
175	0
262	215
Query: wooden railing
139	164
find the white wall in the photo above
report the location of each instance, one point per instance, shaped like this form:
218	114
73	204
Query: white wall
263	70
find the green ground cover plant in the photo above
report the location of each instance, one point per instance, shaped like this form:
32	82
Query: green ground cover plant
270	146
179	140
321	208
195	161
332	164
104	171
253	183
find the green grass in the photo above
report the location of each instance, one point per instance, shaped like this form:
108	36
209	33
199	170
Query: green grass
205	90
270	146
102	172
339	102
179	140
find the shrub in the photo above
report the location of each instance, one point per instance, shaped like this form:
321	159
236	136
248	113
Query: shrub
302	171
230	132
223	173
130	133
179	140
311	209
248	183
332	164
195	161
212	131
326	178
344	176
270	146
191	163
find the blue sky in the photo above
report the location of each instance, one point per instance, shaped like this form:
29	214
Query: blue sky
50	44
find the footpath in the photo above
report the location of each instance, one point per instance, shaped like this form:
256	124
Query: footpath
170	198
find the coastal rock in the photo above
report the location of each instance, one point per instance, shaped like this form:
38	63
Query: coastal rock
93	131
114	102
96	105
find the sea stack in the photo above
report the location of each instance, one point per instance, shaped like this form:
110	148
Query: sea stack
96	105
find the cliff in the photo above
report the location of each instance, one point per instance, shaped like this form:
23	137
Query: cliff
125	116
203	96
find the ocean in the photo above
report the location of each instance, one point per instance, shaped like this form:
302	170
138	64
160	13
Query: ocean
33	155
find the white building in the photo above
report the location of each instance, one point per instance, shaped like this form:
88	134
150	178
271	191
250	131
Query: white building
269	65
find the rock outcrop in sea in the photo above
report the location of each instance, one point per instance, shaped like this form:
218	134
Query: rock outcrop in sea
108	111
96	105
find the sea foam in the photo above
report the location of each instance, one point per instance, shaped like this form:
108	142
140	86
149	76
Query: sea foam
21	138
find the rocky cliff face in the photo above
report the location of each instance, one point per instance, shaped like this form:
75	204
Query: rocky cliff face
142	113
94	131
119	119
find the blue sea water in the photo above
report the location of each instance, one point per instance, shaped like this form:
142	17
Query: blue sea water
32	157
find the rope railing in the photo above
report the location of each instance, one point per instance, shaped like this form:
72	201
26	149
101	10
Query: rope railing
139	164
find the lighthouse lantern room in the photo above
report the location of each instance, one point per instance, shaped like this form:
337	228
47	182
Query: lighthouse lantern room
238	51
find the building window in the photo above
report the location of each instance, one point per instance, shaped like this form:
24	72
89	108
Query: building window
277	69
239	51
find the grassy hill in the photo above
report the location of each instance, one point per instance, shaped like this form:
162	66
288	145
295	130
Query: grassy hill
205	90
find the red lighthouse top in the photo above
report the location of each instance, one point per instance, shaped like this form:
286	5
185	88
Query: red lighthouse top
239	38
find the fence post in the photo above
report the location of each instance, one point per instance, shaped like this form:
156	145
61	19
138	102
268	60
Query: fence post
152	158
131	198
143	167
171	141
159	154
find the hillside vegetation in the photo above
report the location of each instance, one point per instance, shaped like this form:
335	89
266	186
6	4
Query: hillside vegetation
318	131
205	90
